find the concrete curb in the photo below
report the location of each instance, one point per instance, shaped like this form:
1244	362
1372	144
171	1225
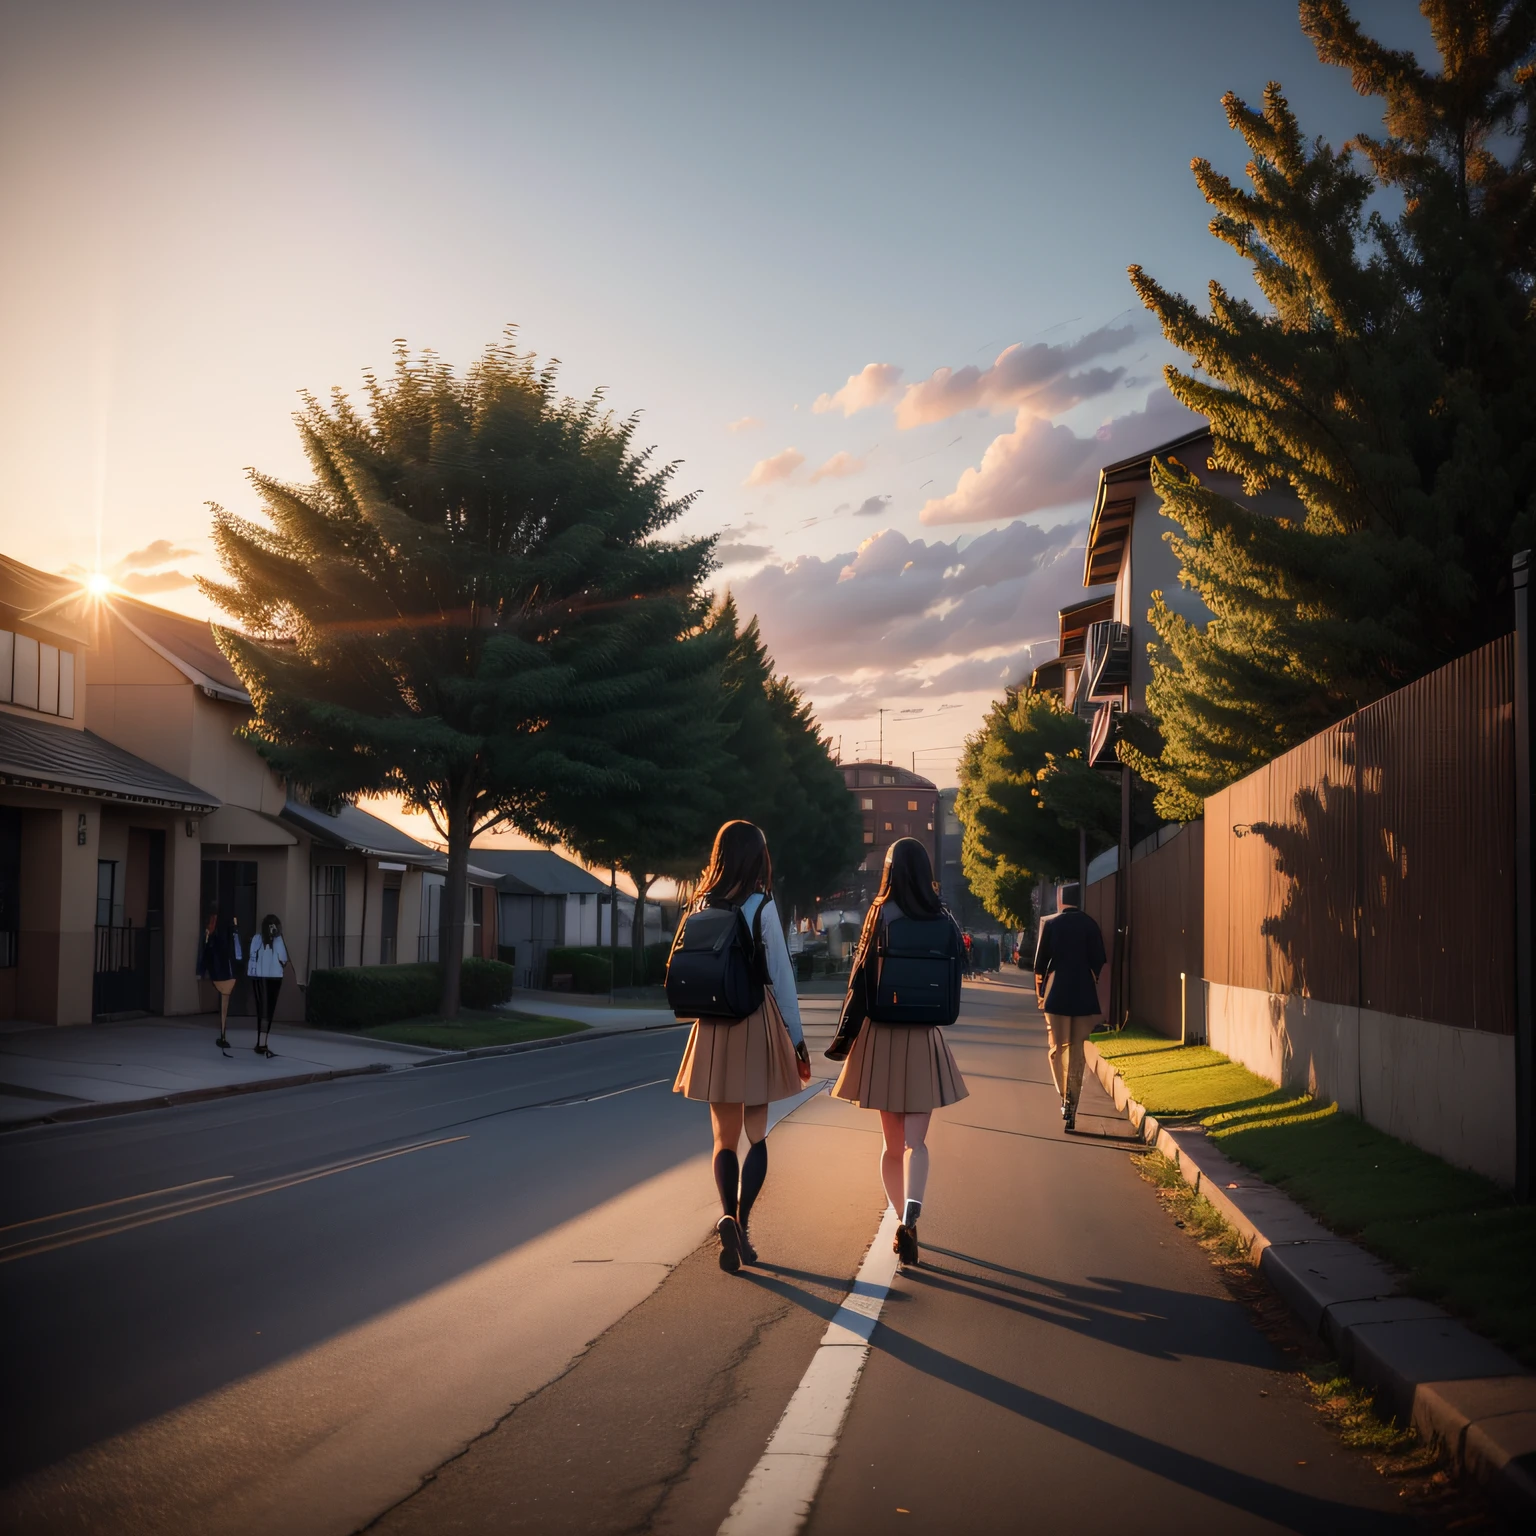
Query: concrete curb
76	1112
1456	1388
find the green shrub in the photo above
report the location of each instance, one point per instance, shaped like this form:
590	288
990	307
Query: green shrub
353	997
589	965
484	983
357	997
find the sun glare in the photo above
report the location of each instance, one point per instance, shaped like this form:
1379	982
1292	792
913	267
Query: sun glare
98	584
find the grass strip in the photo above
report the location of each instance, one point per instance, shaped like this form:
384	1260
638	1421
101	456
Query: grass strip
474	1028
1460	1238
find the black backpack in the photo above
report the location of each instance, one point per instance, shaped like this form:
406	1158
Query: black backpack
716	967
918	972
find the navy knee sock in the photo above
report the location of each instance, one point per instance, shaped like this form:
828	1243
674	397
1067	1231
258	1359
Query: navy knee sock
754	1169
727	1179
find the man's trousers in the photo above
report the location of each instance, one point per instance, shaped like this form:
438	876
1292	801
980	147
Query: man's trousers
1069	1033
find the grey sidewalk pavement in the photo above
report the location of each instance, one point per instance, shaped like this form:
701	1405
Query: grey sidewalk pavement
79	1070
1458	1389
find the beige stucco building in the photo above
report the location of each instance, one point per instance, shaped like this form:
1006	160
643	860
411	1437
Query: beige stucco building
130	805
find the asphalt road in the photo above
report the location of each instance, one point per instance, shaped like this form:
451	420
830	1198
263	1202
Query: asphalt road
473	1298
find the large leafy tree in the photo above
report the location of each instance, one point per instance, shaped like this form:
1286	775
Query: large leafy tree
471	604
1388	378
1025	793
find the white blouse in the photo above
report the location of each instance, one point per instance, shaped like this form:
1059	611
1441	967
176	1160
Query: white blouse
781	969
267	959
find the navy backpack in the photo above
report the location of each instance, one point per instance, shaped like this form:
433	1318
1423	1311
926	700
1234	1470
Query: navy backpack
917	979
716	967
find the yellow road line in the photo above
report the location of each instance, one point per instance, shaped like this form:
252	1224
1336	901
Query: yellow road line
149	1194
29	1247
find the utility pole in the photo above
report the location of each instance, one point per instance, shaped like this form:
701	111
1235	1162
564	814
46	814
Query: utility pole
1525	919
613	925
881	713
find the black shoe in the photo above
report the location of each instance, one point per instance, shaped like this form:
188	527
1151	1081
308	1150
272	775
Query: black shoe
748	1252
1069	1117
260	1050
730	1244
222	1042
906	1243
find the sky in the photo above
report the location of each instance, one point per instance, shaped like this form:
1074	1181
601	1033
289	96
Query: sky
859	267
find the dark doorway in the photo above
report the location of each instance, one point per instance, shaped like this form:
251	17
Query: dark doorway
130	929
230	885
389	930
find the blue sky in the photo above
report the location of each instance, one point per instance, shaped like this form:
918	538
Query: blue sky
722	214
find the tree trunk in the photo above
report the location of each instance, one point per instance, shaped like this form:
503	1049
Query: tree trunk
455	900
643	883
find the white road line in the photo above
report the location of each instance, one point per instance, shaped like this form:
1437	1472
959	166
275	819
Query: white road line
776	1499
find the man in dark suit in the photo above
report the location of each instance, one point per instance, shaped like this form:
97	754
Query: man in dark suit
1068	958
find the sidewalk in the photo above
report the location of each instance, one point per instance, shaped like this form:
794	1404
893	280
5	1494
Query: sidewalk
1456	1388
79	1071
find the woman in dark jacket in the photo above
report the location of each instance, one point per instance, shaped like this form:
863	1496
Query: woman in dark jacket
217	956
905	1071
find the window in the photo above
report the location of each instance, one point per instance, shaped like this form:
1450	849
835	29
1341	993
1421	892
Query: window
328	924
866	804
887	778
930	826
10	886
911	805
887	826
36	675
476	918
869	837
106	891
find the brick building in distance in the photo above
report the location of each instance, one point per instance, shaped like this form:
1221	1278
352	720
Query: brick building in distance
893	802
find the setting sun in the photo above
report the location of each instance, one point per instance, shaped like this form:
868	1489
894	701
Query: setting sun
98	584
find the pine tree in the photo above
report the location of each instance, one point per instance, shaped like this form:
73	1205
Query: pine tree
470	605
1389	380
1025	791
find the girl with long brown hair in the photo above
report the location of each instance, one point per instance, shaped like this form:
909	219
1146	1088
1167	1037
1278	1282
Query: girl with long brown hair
905	1071
740	1065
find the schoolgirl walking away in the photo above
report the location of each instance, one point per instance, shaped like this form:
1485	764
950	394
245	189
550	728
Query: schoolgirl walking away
269	960
217	956
740	1065
902	1069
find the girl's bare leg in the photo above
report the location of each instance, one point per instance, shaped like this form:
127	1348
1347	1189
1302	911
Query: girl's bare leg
893	1132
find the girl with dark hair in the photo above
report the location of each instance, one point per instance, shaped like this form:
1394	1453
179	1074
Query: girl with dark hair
269	957
740	1065
905	1071
217	954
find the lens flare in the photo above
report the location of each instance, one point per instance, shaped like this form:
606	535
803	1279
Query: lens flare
98	584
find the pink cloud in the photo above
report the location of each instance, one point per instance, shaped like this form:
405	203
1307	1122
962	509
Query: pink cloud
837	466
1039	376
779	467
743	424
872	384
1039	465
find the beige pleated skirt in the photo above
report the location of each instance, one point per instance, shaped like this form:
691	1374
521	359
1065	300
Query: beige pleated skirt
746	1061
905	1068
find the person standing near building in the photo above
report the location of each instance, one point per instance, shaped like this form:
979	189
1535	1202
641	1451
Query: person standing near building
740	1065
903	1070
269	960
217	956
1068	958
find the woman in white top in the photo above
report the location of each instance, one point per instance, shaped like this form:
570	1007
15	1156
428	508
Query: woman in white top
739	1065
269	959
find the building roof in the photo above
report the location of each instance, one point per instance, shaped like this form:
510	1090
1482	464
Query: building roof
538	872
186	643
1110	525
359	832
857	776
36	754
53	603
